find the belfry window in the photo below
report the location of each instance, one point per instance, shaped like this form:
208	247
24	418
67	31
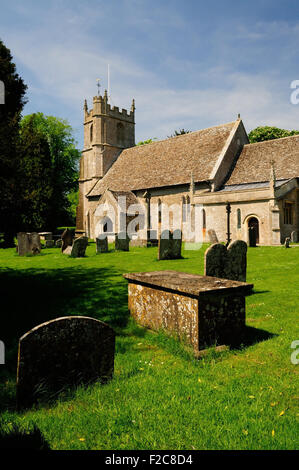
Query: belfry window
91	133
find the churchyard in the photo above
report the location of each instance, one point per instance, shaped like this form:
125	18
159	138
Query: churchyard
161	396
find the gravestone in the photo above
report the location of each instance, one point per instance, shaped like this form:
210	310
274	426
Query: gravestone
170	245
227	263
122	242
176	247
102	245
287	242
49	243
67	239
79	247
215	261
212	236
294	237
23	243
58	243
63	353
28	243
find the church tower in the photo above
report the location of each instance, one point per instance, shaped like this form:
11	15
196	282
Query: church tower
107	131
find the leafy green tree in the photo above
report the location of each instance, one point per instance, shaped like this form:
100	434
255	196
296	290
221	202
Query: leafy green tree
179	132
35	182
64	166
148	141
259	134
10	114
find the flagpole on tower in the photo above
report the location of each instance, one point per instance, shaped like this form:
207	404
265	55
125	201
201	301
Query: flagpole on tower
108	83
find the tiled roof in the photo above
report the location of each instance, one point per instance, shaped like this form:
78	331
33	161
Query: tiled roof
166	162
254	163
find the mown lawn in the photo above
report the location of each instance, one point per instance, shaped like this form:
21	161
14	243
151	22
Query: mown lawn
160	397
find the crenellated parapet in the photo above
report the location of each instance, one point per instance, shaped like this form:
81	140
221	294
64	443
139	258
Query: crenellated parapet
102	108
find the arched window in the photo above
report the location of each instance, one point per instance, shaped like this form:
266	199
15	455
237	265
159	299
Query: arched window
120	133
203	218
184	212
159	211
239	223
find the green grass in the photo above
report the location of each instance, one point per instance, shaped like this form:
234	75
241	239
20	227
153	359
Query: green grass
160	396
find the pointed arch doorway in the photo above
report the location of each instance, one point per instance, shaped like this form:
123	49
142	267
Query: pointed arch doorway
253	231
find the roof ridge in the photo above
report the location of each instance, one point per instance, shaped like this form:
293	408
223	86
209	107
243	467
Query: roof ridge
182	135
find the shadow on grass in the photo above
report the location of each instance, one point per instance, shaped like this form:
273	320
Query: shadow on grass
250	337
18	439
31	297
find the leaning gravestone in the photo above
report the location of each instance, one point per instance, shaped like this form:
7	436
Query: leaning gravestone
63	353
122	242
67	239
102	245
28	243
230	263
212	236
79	247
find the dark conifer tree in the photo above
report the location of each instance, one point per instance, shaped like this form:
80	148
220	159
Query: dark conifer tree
10	113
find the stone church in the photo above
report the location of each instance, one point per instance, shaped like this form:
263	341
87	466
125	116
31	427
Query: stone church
208	168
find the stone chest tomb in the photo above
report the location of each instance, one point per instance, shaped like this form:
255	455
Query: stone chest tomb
201	310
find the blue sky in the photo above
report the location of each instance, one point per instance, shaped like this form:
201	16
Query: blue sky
190	64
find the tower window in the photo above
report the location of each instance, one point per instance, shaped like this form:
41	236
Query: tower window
120	133
91	133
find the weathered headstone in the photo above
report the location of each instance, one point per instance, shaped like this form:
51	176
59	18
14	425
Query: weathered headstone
170	245
34	243
28	243
164	245
49	243
63	353
102	245
23	243
58	243
215	261
230	263
287	242
122	242
79	247
212	236
67	239
294	237
176	247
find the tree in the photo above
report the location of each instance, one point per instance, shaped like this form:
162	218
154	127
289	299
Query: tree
148	141
259	134
179	132
10	114
64	166
35	181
